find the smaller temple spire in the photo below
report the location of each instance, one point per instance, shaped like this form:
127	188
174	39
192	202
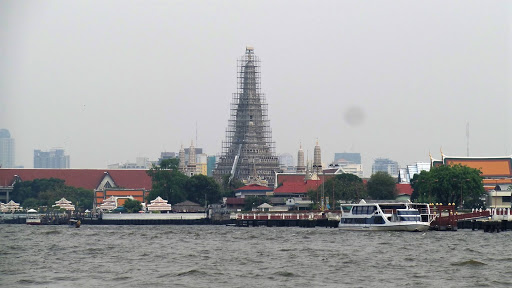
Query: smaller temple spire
192	154
181	165
317	159
301	168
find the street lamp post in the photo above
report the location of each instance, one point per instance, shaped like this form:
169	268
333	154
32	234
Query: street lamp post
461	199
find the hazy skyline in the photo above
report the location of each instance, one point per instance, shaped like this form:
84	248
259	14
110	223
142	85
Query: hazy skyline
110	81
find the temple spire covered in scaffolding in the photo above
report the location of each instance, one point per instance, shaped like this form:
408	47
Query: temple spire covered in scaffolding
248	150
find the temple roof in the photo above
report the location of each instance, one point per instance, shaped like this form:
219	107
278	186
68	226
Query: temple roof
254	187
81	178
490	166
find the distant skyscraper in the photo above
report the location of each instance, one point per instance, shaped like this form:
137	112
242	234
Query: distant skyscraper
54	159
167	155
248	151
7	150
385	165
286	162
210	165
351	157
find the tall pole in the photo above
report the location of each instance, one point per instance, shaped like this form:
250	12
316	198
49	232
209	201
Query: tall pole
333	201
323	190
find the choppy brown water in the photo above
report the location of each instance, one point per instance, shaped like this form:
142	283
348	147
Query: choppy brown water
220	256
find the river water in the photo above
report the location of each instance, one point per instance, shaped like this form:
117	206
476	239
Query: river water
221	256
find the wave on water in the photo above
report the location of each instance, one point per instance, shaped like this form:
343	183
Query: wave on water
51	232
31	282
470	262
121	278
193	272
284	274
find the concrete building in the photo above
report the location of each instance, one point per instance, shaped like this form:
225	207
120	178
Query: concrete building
347	157
248	151
211	161
349	162
7	149
286	162
140	163
167	155
385	165
406	174
349	167
53	159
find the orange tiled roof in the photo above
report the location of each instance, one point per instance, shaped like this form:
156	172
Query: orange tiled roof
490	167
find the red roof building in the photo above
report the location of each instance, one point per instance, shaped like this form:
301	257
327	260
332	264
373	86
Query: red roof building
253	190
92	179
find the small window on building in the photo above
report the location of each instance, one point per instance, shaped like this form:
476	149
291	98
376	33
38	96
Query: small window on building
505	199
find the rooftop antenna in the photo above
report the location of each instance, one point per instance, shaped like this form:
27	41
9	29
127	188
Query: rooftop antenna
197	144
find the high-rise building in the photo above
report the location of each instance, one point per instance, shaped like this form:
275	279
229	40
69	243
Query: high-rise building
7	150
140	163
211	161
349	162
351	157
385	165
167	155
54	159
248	150
286	162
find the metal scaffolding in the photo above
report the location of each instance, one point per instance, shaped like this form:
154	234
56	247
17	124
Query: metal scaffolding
248	150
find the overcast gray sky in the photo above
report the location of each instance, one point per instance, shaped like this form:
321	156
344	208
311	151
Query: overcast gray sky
109	81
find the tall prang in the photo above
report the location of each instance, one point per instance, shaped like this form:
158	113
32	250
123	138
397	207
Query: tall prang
248	151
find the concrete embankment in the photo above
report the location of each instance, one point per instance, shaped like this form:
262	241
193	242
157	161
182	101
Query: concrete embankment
149	219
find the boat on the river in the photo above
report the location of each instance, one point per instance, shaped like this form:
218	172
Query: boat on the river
74	223
33	217
384	216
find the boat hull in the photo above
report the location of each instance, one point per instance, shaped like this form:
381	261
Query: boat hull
418	227
33	222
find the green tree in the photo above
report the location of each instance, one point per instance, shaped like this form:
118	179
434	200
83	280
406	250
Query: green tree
30	203
254	201
346	187
449	184
381	186
228	188
132	206
168	182
199	187
47	191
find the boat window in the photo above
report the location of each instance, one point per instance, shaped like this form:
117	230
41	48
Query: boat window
409	218
364	210
378	220
408	212
360	220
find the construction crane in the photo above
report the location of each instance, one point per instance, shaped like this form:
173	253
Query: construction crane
235	163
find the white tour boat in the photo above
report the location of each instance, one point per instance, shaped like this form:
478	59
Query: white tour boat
386	216
33	217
